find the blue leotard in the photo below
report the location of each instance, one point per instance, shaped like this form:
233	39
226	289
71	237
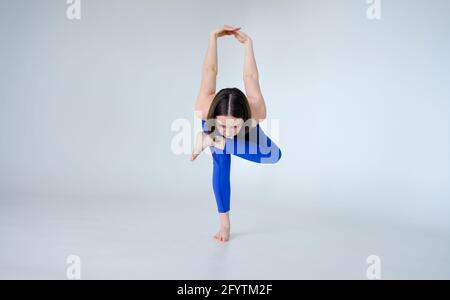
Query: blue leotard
258	147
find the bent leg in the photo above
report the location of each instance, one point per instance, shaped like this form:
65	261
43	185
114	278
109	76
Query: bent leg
257	147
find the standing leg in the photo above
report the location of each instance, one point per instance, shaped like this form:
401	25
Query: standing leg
222	190
221	180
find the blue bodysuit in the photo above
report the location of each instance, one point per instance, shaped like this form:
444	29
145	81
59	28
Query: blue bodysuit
256	147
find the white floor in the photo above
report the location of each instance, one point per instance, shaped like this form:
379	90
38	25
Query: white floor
135	239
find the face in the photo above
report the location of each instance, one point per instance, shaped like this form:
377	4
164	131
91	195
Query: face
229	126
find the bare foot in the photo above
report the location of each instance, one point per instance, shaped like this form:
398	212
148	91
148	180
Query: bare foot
223	235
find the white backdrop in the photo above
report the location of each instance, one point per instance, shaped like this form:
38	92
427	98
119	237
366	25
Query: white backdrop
86	105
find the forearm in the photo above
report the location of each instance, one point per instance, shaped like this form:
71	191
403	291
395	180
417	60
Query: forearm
251	75
250	68
210	61
251	83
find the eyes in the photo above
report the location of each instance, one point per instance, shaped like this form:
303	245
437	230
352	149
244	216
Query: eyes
232	127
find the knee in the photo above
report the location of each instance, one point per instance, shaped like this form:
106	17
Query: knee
277	156
273	158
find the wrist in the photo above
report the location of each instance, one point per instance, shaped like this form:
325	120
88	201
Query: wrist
213	35
207	140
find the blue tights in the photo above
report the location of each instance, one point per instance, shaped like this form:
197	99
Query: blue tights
258	147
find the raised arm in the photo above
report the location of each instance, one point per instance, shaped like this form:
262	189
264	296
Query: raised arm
209	71
251	79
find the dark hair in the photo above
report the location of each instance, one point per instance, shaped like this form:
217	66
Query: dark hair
228	102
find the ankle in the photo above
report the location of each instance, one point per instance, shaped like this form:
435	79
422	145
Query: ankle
225	221
225	225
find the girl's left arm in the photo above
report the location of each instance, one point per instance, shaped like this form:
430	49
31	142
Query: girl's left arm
251	81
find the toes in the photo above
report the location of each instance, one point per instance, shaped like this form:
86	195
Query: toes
222	237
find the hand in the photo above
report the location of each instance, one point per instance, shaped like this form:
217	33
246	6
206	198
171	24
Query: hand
242	37
225	30
204	140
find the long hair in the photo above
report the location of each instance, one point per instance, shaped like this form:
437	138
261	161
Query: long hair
228	102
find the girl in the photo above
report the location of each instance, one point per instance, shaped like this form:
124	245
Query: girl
230	123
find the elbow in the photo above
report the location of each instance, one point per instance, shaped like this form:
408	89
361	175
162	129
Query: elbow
261	116
261	119
257	107
200	112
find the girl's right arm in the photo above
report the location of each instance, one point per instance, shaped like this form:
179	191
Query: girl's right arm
209	72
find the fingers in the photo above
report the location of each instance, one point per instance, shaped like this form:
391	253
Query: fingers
236	34
227	30
232	28
240	34
194	156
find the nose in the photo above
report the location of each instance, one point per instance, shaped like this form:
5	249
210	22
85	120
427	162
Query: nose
229	132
